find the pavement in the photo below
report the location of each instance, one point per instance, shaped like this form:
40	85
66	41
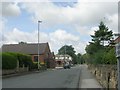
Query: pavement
87	79
20	74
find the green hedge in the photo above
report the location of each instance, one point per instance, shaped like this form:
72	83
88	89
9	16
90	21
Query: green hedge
24	60
8	61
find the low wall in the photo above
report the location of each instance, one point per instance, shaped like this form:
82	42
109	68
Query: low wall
105	74
6	72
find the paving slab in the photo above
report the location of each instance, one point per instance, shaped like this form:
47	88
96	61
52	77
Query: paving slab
87	79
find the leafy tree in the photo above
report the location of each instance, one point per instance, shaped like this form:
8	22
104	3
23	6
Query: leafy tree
79	61
93	48
85	58
66	49
22	42
110	57
70	51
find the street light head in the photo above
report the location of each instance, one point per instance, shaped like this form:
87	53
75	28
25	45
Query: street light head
39	21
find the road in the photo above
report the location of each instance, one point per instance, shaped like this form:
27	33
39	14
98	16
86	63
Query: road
58	78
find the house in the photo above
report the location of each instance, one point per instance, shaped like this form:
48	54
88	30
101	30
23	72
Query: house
114	42
61	59
117	40
45	54
51	62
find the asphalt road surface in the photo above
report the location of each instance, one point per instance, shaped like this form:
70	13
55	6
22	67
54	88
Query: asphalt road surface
58	78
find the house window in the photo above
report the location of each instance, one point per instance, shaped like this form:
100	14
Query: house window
35	58
56	57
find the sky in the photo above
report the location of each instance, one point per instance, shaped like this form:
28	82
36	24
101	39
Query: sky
68	22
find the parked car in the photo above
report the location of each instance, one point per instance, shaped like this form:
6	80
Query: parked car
66	65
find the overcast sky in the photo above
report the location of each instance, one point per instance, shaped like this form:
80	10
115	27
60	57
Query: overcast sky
69	23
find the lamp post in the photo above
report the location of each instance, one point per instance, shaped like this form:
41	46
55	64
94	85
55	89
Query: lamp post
38	43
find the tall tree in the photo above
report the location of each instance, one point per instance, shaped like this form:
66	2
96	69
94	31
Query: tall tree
97	51
102	34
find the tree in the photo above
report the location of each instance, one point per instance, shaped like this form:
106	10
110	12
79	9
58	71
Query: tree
79	59
99	53
93	48
22	42
70	51
110	57
103	34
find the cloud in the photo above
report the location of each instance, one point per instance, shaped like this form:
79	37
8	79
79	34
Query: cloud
2	27
61	35
49	11
113	22
10	9
82	17
56	39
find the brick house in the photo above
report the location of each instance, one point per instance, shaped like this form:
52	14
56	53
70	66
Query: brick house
45	55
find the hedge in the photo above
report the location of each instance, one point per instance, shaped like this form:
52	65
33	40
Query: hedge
24	60
8	61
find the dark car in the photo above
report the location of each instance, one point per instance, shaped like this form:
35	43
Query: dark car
66	66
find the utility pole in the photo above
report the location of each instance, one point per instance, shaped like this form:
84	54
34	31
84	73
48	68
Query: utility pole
38	44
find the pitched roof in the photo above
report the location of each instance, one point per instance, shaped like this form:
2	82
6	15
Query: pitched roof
25	48
117	40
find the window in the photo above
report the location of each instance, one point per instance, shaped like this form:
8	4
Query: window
56	57
35	58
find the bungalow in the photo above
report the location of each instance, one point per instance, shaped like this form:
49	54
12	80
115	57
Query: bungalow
45	54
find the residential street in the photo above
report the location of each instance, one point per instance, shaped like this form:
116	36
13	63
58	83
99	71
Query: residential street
58	78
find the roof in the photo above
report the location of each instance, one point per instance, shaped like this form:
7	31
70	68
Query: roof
62	55
117	40
25	48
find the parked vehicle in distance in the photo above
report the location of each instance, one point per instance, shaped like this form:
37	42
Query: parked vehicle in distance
66	65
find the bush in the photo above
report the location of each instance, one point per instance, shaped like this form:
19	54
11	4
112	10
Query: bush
99	57
35	66
8	61
110	57
24	60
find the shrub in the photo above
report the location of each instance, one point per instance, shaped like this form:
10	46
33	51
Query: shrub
35	66
110	57
24	60
8	61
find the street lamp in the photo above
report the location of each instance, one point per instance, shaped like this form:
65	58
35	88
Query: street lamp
38	42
